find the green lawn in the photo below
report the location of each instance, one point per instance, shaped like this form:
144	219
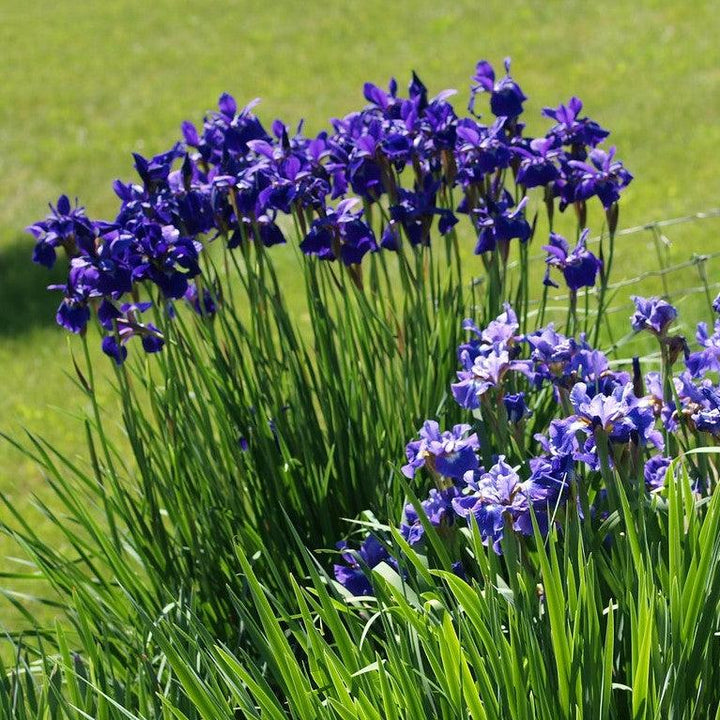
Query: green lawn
85	83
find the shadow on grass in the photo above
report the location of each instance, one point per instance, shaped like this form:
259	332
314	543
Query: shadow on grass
25	301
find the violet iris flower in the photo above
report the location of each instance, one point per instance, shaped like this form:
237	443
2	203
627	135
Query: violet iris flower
572	130
340	233
437	508
450	453
602	176
65	227
579	266
506	97
653	314
352	575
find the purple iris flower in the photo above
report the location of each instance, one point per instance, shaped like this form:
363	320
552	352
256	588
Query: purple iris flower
437	508
655	472
516	407
602	176
537	164
653	314
707	359
352	575
506	97
494	495
579	266
450	453
487	372
572	130
65	227
500	222
340	233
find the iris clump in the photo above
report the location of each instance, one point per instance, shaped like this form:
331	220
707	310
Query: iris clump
589	420
410	160
523	491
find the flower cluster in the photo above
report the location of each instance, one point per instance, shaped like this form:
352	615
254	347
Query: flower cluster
412	155
591	421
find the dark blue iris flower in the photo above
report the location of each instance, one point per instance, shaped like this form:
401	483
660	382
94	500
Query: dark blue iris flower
415	211
480	150
499	222
352	575
65	227
602	176
574	131
160	254
537	163
516	407
579	266
506	97
341	233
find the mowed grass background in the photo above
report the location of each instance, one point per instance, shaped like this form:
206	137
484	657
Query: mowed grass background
86	83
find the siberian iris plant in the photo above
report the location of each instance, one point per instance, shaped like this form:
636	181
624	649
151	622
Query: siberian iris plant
551	471
602	423
407	158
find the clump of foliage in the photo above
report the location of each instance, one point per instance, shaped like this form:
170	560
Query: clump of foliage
564	559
